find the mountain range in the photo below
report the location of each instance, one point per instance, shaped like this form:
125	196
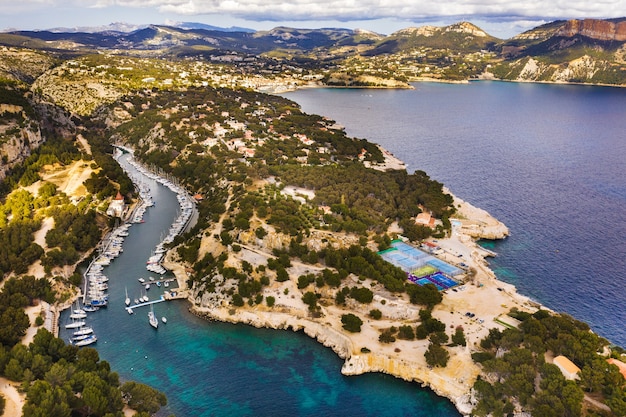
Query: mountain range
587	51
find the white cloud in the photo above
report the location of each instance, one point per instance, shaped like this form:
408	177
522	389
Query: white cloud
349	10
507	15
375	9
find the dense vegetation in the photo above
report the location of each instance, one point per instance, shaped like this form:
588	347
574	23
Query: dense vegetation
362	199
59	379
77	225
518	373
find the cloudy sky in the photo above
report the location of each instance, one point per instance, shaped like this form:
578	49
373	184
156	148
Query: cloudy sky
500	18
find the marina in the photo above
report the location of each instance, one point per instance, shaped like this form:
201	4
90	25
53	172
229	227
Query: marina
96	284
182	221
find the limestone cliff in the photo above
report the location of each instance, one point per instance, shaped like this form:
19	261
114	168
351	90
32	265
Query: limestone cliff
326	335
19	147
453	382
20	132
447	384
603	30
477	223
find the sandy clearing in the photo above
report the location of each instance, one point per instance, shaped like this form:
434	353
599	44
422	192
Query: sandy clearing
14	400
40	235
70	179
32	312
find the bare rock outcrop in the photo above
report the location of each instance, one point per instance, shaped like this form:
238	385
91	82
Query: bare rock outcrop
477	223
446	385
325	335
18	141
602	30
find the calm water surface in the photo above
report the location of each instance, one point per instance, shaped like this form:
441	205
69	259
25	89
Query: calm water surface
547	160
217	369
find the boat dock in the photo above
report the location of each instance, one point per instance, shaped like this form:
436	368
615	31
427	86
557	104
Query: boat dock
147	303
155	281
167	296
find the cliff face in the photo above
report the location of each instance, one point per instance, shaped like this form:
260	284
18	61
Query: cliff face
18	148
23	130
602	30
448	382
19	135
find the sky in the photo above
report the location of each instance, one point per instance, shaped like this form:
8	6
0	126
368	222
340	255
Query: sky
499	18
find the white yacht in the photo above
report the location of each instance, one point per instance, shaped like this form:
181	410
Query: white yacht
152	317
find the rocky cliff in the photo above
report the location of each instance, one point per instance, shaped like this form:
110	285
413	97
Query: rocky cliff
18	147
602	30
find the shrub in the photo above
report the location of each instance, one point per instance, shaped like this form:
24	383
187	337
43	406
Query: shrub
237	300
269	300
376	314
351	323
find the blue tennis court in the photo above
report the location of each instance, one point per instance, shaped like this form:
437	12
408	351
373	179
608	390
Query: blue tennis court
440	279
444	267
424	281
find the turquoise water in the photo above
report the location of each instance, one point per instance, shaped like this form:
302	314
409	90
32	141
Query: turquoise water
547	160
217	369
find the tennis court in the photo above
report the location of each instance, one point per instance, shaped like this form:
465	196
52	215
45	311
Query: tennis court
444	267
421	268
438	279
410	259
442	280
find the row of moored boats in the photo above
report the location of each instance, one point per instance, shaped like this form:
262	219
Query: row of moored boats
82	335
153	264
96	282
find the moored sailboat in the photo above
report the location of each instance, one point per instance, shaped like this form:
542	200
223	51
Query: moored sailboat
152	317
87	341
75	324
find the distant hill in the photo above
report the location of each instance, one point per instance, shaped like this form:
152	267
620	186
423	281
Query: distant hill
170	38
554	37
462	37
194	25
587	51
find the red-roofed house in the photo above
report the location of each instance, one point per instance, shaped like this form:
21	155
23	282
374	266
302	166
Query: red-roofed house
621	365
425	219
117	206
567	367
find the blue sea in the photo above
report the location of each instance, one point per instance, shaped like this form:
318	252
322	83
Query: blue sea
547	160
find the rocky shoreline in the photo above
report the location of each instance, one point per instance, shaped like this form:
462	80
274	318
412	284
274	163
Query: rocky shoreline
484	295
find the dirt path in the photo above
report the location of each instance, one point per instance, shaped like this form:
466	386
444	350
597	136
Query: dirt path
40	235
32	312
14	400
83	143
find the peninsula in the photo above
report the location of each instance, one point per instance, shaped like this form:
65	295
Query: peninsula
484	295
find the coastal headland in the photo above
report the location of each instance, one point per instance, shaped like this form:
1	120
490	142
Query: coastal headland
486	297
475	305
479	304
